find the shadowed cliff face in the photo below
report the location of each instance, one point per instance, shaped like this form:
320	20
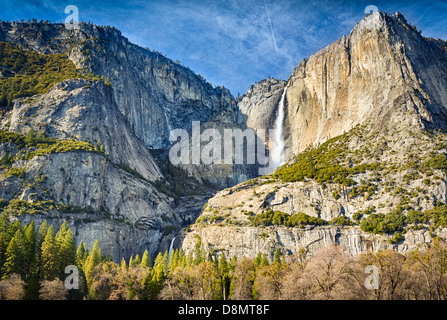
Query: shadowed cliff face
364	123
154	94
383	85
123	198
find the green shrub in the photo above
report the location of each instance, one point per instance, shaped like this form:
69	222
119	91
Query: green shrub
342	221
280	218
17	172
29	73
397	237
396	221
323	164
18	207
416	217
380	223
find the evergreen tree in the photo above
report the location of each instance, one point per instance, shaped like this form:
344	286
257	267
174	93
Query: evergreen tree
258	260
15	255
94	258
199	253
265	261
146	260
154	285
135	261
277	256
30	248
42	232
49	268
174	261
40	137
4	239
27	155
4	159
30	137
123	265
4	223
66	248
32	268
225	278
81	255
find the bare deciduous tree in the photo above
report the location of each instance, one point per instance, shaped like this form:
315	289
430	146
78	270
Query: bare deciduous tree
241	285
268	283
12	288
327	273
53	290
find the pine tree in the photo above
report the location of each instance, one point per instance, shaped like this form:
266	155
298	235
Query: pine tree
67	250
4	159
30	137
123	265
27	155
40	137
49	268
15	255
30	248
174	261
42	232
265	261
225	278
258	260
81	255
199	253
10	158
146	260
135	261
4	223
4	240
277	256
94	258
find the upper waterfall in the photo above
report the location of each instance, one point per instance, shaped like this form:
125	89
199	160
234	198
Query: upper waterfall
278	148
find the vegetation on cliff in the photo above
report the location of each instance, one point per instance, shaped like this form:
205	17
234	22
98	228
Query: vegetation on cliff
24	73
32	145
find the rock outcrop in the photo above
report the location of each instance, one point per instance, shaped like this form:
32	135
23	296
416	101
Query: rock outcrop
384	71
120	191
249	241
364	130
154	94
357	134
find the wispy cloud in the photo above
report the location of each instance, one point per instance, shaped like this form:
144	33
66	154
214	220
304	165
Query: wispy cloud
233	42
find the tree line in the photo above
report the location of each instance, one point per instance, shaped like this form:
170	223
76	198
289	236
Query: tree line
33	262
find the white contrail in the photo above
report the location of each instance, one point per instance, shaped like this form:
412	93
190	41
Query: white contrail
271	27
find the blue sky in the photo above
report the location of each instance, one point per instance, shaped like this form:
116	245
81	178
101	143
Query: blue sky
233	42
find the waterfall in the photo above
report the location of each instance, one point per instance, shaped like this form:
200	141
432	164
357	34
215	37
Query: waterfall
170	253
278	149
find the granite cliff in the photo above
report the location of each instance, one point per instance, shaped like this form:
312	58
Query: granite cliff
365	140
111	125
364	133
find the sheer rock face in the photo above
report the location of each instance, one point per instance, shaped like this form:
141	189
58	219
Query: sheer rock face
148	96
154	94
383	72
259	105
79	109
120	199
385	78
233	233
248	241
